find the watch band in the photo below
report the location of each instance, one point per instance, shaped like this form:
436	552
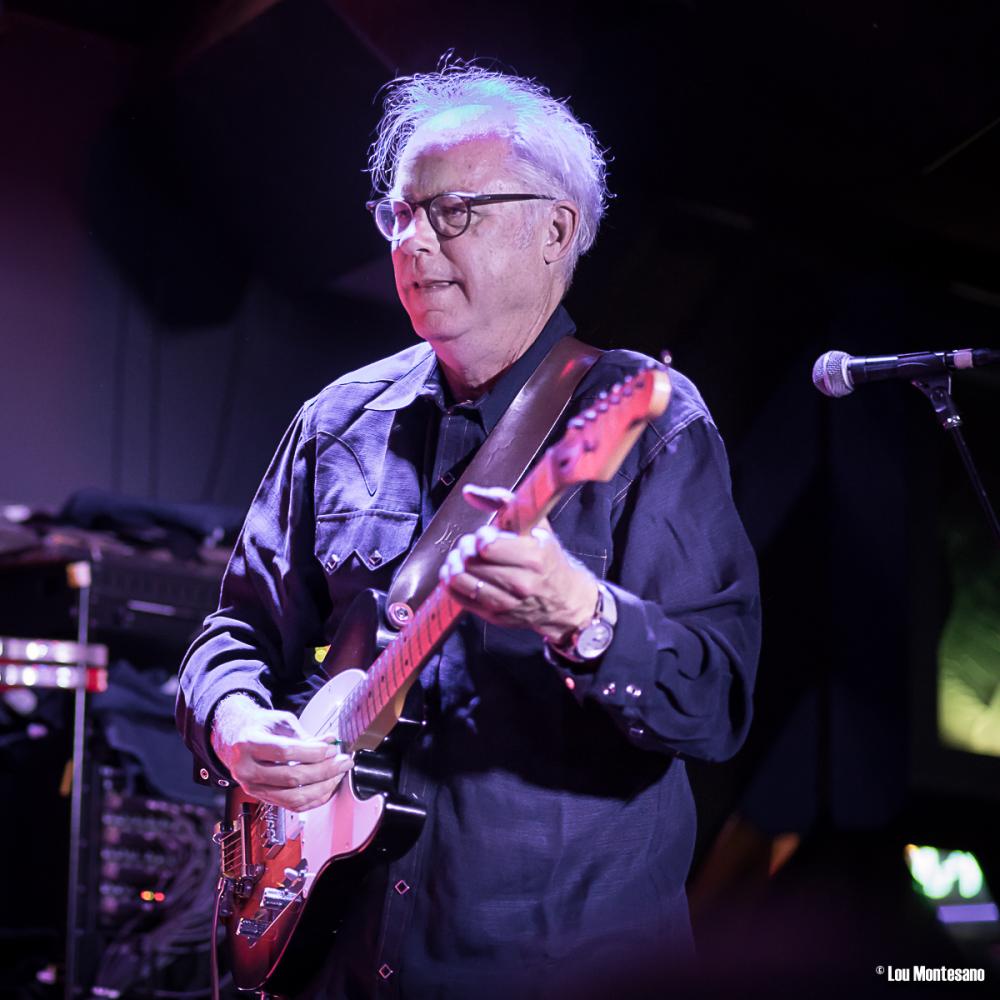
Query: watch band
592	639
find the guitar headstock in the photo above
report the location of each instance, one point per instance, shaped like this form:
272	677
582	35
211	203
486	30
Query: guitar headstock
598	439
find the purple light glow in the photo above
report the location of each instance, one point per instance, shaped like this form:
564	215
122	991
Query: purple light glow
968	913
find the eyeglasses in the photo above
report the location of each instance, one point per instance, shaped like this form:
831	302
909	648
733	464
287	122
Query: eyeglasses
449	213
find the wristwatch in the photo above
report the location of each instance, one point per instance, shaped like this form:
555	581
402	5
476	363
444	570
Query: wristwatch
592	640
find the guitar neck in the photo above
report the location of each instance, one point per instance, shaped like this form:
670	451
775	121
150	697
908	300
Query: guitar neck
375	704
593	447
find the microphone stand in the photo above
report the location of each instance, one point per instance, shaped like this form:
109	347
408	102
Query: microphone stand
937	388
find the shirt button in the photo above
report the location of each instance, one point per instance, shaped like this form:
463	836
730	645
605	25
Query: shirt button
633	690
386	971
570	683
401	887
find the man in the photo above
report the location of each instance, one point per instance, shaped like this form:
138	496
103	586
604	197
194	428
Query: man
560	822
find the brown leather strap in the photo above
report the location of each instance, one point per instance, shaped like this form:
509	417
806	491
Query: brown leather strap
502	460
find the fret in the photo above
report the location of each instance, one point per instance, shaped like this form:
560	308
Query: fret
428	631
388	688
347	734
420	647
395	666
384	683
592	448
344	715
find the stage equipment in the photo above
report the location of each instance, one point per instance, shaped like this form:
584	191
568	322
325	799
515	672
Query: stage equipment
138	861
835	374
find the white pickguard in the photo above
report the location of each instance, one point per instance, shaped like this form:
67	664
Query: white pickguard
346	824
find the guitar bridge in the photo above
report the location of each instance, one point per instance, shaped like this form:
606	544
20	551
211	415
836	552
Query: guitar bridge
235	852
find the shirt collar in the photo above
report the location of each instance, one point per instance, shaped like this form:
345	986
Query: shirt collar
401	393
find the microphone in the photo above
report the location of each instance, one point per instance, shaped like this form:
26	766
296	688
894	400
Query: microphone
837	373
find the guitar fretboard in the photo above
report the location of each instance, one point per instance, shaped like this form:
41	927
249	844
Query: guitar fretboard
593	448
433	620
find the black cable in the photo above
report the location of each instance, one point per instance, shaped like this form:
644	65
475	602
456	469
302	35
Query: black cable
214	952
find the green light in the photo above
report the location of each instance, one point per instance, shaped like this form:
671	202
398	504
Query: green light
938	874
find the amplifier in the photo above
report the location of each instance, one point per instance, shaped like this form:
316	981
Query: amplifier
143	606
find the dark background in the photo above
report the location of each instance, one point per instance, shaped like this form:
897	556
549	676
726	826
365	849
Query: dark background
185	257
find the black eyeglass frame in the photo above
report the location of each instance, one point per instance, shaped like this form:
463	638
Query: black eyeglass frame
470	201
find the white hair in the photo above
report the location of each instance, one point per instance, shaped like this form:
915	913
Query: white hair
554	150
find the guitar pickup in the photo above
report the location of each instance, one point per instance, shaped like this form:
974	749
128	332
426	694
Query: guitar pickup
274	830
250	929
277	899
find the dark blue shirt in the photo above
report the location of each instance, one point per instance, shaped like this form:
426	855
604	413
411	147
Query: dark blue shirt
560	824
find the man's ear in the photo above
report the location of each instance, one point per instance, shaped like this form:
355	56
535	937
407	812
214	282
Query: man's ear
564	218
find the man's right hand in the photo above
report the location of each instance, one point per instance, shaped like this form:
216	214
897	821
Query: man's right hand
273	758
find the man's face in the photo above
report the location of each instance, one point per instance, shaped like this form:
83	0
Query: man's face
492	278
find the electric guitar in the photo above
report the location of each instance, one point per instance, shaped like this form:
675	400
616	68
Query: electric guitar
288	878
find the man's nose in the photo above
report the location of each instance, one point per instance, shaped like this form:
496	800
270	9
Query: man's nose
419	236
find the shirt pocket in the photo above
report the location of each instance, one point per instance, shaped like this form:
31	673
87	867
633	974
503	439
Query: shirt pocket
363	543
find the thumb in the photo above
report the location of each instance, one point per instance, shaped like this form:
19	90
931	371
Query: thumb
486	497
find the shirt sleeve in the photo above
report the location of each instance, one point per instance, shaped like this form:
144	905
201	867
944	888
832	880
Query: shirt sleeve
270	603
678	675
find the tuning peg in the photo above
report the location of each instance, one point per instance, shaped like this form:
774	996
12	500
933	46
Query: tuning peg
602	394
589	414
578	423
602	406
628	379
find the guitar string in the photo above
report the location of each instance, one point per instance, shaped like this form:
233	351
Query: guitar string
395	653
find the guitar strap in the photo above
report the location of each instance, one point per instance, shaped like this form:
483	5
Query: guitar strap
502	460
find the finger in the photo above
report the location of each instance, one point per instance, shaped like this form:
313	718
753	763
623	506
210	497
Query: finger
299	799
503	586
318	795
296	775
466	546
508	549
452	566
486	497
466	587
282	750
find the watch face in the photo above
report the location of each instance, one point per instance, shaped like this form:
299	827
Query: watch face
594	639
